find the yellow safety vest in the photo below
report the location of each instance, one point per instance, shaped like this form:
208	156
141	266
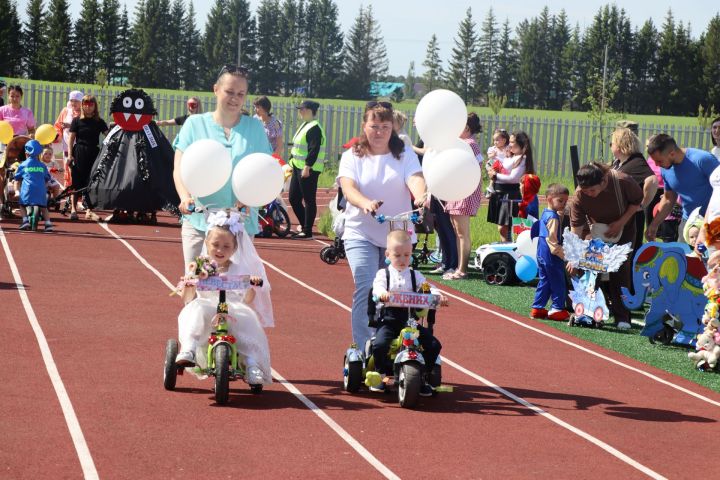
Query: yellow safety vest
299	151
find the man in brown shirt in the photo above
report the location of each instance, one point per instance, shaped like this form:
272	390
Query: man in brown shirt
612	198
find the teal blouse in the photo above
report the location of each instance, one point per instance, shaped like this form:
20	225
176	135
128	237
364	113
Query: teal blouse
247	137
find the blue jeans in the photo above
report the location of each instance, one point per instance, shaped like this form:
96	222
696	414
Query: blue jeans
365	260
445	234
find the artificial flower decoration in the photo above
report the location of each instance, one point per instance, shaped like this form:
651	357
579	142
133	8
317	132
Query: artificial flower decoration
231	220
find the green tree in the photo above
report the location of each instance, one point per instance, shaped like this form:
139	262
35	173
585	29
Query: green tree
325	44
710	51
290	29
86	42
572	66
11	50
58	55
122	58
560	66
269	47
108	38
365	54
149	65
643	74
507	65
34	40
173	47
487	55
191	41
433	64
462	71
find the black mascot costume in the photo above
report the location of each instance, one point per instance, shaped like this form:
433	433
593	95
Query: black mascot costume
134	170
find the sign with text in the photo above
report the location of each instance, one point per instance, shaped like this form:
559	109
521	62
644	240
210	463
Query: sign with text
413	300
224	282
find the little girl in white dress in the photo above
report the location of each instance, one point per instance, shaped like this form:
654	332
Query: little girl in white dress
229	246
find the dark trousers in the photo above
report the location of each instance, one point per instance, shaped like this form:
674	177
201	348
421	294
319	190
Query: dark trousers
302	198
446	235
389	331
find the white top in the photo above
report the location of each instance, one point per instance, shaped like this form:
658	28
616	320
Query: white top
378	177
494	153
716	151
515	173
400	281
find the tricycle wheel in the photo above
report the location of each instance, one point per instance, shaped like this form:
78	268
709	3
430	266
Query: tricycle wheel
409	383
221	355
499	269
352	376
170	373
281	222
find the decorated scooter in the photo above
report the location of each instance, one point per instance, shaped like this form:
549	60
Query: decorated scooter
593	257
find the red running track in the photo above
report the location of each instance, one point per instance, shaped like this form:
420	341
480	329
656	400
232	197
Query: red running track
527	402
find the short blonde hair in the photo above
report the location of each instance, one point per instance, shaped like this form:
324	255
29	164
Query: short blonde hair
626	141
399	236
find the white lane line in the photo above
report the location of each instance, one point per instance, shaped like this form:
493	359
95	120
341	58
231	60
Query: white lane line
357	446
349	439
587	350
594	440
83	452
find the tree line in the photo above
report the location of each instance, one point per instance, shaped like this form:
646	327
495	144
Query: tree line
298	47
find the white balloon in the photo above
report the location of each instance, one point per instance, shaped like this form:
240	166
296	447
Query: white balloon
525	244
205	167
440	118
452	174
257	179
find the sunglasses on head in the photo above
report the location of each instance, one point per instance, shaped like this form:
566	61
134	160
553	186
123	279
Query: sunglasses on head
234	70
374	104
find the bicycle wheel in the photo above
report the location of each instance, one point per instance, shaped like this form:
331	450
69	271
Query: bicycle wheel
170	374
221	354
281	221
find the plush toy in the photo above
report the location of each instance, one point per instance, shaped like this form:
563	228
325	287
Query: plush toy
707	351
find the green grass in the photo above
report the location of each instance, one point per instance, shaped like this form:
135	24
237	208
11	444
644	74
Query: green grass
518	299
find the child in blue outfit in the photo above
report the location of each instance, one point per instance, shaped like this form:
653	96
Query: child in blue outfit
34	176
551	257
399	277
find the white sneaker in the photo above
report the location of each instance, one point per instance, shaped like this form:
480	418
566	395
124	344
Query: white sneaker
623	326
254	375
437	270
185	359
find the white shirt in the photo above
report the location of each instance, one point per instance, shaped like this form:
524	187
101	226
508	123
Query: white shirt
716	151
515	173
713	208
378	177
400	281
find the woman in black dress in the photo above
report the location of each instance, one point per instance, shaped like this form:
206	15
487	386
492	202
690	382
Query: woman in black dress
83	146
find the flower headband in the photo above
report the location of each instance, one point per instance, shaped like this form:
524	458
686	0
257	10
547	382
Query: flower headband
230	220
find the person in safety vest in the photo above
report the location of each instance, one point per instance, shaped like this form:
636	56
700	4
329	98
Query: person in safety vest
307	158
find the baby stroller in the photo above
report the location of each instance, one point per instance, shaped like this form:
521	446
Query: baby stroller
668	229
332	253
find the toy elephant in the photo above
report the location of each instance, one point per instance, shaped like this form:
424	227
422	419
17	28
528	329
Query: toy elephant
671	282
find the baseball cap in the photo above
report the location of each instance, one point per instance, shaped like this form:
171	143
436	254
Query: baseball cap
76	95
309	104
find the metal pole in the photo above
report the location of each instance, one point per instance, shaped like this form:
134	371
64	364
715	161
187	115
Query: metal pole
602	105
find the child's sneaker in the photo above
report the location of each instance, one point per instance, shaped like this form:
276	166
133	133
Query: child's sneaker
538	313
380	388
426	390
373	379
49	226
254	375
185	359
25	225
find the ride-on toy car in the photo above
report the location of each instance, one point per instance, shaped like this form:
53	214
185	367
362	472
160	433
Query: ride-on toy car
223	361
405	352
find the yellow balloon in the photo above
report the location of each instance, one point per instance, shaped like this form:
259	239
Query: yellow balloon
45	134
6	131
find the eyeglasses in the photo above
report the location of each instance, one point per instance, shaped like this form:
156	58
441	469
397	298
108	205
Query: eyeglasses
192	104
374	104
88	102
234	70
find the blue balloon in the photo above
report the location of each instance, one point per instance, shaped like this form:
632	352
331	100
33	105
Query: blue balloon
526	268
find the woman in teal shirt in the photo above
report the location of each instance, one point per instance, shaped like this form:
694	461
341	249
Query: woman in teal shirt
240	134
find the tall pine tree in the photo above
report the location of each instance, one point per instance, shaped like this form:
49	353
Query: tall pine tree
463	67
487	55
434	74
108	37
365	55
325	45
710	51
191	40
507	63
58	55
289	29
86	42
269	47
34	36
124	51
11	49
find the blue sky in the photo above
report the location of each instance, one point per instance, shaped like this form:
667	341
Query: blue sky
407	25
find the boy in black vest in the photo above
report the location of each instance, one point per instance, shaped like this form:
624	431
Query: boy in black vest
399	277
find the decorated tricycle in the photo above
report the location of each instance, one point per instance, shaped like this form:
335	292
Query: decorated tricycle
405	351
220	357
